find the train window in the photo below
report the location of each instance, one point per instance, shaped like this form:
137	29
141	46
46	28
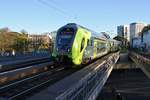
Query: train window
91	42
88	43
67	31
101	46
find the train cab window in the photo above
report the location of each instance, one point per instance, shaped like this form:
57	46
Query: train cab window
65	36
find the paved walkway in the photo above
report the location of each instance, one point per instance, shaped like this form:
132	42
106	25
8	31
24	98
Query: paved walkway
124	62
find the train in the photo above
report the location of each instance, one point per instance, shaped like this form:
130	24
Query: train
79	45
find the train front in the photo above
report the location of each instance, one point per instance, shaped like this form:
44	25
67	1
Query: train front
63	47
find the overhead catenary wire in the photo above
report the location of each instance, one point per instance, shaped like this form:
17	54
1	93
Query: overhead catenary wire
54	5
51	6
54	2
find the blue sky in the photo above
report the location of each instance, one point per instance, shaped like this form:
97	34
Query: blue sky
98	15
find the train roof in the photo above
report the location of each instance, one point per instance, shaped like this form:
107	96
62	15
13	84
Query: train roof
93	33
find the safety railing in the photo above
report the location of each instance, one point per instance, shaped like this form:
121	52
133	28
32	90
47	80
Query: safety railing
90	86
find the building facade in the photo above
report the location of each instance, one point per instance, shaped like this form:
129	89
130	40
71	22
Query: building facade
39	42
136	42
135	31
124	31
146	40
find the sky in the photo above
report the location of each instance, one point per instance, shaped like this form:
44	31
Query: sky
38	16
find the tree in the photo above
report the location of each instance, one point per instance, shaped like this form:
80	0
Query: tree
21	43
24	32
4	30
119	38
10	41
123	40
145	29
7	40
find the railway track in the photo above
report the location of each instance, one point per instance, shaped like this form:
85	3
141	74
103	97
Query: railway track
15	58
11	65
21	89
20	73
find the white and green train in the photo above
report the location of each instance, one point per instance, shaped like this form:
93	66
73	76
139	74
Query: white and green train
79	45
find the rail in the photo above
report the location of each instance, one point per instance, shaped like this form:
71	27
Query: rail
10	65
19	88
84	84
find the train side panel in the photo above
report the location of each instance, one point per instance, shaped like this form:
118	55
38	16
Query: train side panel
79	45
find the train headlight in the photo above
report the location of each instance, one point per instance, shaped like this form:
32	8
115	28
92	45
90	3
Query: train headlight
68	50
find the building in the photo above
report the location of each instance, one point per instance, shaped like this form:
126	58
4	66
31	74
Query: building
39	41
53	35
135	31
146	40
123	31
136	42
